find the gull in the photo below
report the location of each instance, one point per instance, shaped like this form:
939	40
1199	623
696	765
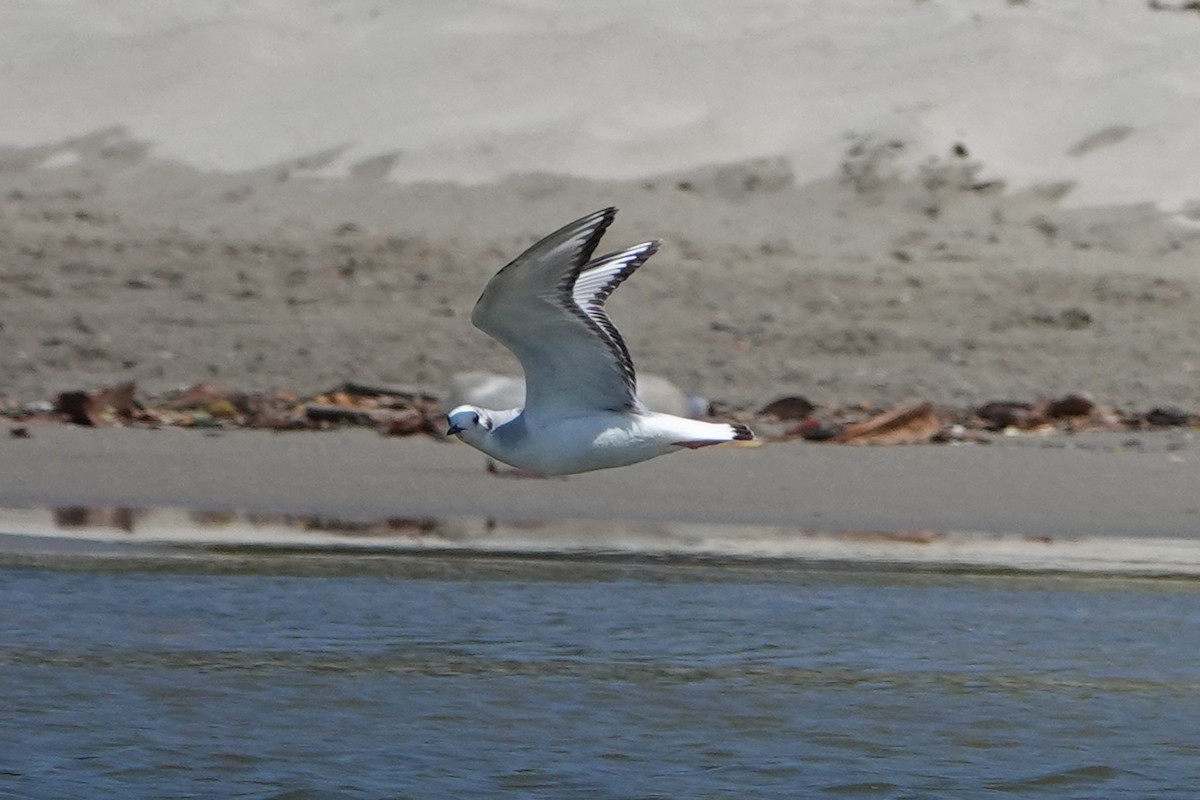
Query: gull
582	410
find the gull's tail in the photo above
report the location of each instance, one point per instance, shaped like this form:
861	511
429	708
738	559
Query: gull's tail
741	433
696	434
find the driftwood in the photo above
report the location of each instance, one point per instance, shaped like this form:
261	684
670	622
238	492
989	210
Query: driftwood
905	425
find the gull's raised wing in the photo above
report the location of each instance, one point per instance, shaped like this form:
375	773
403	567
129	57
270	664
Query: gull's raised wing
547	307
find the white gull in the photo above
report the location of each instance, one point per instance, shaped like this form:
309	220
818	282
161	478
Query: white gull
581	409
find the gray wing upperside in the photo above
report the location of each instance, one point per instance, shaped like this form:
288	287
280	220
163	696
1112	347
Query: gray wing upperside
547	307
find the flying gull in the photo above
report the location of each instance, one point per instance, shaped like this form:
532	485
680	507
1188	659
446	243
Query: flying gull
582	410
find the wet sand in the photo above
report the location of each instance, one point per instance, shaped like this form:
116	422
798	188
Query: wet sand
1085	485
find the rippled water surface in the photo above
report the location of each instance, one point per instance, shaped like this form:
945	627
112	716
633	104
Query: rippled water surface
453	677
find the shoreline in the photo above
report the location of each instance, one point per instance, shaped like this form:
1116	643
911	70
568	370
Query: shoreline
77	537
1090	502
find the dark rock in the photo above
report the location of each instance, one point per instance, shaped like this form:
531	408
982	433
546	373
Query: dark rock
1168	416
793	407
1073	405
77	407
1001	414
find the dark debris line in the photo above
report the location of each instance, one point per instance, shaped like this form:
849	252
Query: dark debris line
790	418
393	410
403	411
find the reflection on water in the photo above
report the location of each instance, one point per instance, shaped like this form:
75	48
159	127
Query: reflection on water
74	517
431	676
182	533
130	520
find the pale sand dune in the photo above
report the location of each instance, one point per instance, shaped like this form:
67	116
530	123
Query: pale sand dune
1104	96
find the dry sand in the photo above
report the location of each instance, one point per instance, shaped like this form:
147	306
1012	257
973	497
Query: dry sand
862	287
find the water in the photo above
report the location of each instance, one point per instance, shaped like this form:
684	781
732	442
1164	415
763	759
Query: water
458	677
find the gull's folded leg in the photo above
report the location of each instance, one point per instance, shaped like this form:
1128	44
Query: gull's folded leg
513	472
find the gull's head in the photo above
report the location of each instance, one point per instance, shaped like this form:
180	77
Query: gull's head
469	422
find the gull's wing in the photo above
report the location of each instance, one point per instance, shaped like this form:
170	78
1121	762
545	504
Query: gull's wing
547	307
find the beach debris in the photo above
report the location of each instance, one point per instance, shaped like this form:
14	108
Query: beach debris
815	429
913	424
109	405
118	400
959	433
925	423
1072	405
36	408
788	408
790	417
392	410
1000	414
412	410
1168	417
399	410
389	421
76	407
207	397
204	405
1076	411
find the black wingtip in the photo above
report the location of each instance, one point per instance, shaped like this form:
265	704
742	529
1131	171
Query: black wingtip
604	218
608	214
741	433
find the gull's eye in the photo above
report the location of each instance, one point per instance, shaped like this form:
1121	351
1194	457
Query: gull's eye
474	419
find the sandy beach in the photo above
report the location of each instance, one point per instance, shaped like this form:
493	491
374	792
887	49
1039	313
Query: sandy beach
894	238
